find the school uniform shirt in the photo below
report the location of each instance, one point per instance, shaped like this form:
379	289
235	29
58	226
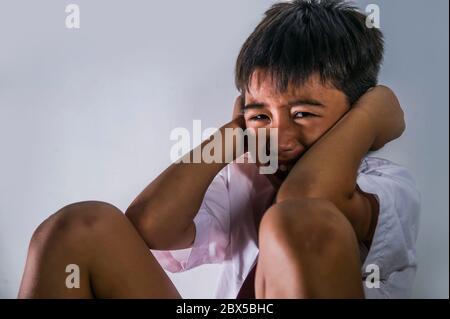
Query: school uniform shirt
226	231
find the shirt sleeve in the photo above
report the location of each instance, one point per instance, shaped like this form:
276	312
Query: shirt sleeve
393	246
212	231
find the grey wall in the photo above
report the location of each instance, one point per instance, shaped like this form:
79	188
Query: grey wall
86	114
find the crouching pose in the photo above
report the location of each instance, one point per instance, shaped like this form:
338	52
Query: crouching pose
331	222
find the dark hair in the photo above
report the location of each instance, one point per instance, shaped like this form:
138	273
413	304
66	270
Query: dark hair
304	37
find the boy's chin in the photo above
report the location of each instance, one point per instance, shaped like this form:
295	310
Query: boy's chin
282	170
280	174
277	178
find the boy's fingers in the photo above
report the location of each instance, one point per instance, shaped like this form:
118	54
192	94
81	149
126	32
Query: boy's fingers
238	107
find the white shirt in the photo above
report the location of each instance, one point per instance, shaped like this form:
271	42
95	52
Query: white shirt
226	232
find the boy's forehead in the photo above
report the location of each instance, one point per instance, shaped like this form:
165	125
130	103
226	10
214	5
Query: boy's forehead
261	86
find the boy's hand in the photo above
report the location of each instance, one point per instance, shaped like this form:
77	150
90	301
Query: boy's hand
238	112
384	109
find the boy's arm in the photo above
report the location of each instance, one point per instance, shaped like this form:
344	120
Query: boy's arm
329	168
164	212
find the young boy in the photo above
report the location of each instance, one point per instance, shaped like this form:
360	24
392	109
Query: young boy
332	222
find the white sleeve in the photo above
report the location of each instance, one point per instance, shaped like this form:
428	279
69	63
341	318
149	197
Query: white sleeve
393	246
212	231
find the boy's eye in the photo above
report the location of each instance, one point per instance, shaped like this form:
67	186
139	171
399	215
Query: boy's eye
300	115
259	117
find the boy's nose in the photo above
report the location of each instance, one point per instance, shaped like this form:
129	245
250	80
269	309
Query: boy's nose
289	140
289	146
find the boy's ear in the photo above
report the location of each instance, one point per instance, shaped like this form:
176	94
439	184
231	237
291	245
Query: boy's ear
242	101
238	111
238	108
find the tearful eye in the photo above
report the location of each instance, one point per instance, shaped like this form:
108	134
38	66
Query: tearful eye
259	117
300	115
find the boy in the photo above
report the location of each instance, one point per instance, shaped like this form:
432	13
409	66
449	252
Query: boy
328	220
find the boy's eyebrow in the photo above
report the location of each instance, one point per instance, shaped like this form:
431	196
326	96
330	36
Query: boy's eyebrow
303	101
307	101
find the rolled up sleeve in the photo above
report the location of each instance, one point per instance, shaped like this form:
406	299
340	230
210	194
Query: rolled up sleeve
212	231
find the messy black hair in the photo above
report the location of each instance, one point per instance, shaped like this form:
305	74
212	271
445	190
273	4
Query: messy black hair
300	38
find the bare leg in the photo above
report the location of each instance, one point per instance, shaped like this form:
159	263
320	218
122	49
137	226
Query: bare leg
308	249
113	259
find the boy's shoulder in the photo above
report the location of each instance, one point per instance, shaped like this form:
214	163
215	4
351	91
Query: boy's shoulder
378	166
374	163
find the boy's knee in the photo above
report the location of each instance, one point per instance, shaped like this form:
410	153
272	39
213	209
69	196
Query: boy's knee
76	221
309	226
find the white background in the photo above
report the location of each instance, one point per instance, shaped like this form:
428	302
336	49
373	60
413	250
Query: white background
86	114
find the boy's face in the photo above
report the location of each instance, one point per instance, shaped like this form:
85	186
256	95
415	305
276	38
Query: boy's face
302	114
